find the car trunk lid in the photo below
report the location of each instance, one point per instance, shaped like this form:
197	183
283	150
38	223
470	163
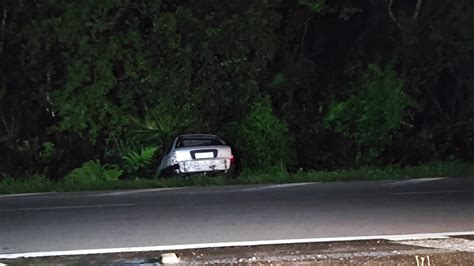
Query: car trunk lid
203	152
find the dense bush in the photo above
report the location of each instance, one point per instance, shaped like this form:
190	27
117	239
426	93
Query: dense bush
262	138
373	112
93	171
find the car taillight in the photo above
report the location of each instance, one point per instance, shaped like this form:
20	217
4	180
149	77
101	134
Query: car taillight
174	159
232	159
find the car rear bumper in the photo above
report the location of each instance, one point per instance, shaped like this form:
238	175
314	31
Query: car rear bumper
204	165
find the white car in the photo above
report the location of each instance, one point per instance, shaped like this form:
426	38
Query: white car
197	154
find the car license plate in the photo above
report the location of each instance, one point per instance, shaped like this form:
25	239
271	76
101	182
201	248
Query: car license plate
204	155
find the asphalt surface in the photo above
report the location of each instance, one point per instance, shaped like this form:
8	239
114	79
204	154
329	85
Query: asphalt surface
140	218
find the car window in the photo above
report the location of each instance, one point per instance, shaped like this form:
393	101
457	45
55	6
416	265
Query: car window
193	142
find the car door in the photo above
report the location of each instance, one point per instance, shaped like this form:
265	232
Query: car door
166	160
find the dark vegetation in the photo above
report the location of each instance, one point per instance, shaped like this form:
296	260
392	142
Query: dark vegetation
93	91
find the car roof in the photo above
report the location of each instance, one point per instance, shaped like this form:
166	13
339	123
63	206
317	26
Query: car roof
185	136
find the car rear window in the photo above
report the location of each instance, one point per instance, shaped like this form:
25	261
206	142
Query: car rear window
193	142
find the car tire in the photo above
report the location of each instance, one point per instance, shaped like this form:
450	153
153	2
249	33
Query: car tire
168	172
231	173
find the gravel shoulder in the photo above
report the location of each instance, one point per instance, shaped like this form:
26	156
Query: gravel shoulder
378	252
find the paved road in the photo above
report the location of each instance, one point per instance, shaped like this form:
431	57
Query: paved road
137	218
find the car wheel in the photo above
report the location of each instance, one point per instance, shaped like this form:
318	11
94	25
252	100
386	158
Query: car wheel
231	173
168	172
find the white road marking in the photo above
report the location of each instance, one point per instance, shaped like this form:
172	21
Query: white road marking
226	244
45	195
68	207
414	181
268	187
431	192
135	191
453	244
25	194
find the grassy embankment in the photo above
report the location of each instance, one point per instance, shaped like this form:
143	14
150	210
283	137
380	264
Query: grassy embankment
42	184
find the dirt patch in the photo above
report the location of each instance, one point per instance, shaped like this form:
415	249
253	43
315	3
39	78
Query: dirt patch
379	252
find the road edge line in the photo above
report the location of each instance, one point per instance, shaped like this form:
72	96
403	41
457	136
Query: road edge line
228	244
